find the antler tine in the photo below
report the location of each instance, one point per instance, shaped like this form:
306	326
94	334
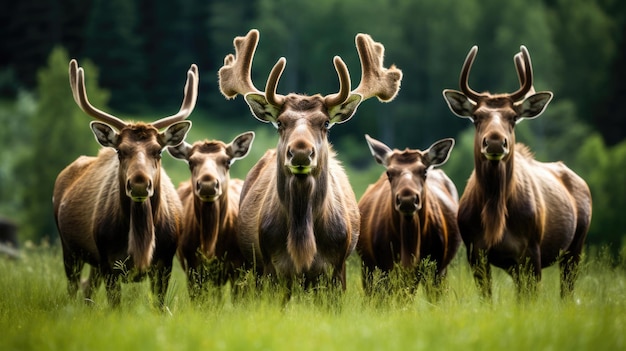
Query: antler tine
521	72
463	80
234	76
376	80
527	82
189	100
344	84
77	83
272	83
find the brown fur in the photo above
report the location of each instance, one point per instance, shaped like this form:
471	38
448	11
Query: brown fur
389	238
517	213
208	249
298	213
299	224
100	225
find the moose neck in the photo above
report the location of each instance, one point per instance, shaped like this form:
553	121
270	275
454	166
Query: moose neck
210	215
141	235
302	196
495	183
411	228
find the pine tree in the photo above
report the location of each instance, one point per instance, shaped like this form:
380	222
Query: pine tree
59	134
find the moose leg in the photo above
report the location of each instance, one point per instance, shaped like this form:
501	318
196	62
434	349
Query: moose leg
73	267
113	289
91	285
194	282
569	273
481	269
570	260
159	280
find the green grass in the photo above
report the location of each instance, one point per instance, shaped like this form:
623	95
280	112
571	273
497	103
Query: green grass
36	314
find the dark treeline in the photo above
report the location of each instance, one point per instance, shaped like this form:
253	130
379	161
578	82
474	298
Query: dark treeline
141	49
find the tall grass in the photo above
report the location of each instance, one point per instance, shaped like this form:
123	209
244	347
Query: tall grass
36	314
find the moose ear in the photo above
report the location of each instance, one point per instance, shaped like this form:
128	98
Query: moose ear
180	151
343	112
261	109
175	134
459	104
240	146
439	152
105	135
533	106
379	150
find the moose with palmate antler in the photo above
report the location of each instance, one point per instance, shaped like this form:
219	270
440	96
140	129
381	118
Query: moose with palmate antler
298	215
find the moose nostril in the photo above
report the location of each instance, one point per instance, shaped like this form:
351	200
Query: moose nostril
485	143
505	144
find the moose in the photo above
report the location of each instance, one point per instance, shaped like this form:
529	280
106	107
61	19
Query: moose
298	216
119	211
409	214
517	213
207	247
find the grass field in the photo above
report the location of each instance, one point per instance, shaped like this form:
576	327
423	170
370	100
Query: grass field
36	314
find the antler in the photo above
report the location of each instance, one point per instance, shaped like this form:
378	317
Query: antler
77	83
524	70
467	65
234	76
189	100
524	73
376	80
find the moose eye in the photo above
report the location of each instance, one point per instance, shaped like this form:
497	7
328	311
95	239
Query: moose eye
327	124
227	163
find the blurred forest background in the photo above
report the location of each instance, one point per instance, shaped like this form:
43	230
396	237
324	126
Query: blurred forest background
136	54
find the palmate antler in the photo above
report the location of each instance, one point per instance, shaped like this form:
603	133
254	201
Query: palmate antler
77	83
522	64
376	80
235	78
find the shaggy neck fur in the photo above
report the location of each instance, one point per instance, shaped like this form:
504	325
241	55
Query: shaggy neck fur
303	197
494	179
141	235
210	215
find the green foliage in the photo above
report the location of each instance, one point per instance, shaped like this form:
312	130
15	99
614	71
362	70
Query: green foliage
36	314
602	167
56	132
111	41
143	49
